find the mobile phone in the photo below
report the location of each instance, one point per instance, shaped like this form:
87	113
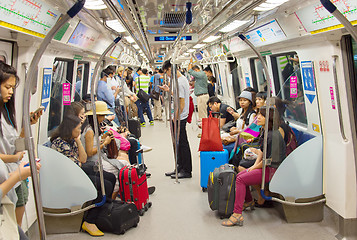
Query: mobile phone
28	164
38	110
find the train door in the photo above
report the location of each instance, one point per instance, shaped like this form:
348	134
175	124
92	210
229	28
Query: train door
289	86
62	73
6	52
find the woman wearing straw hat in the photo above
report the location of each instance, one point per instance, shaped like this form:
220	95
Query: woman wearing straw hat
90	143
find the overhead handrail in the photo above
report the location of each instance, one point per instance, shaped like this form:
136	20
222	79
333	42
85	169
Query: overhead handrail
337	14
96	133
31	81
338	101
231	54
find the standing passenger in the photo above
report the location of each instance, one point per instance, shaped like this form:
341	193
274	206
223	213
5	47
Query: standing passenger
157	81
201	89
184	161
8	133
143	83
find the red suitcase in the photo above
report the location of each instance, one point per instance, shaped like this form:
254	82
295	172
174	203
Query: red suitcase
133	187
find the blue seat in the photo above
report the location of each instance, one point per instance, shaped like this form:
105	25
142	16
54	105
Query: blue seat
301	136
62	183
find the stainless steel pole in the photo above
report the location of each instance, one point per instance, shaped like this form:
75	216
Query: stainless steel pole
32	81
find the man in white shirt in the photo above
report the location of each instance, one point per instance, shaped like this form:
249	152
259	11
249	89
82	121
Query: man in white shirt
184	161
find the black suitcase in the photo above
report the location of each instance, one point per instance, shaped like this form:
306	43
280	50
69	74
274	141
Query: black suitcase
221	190
117	217
135	127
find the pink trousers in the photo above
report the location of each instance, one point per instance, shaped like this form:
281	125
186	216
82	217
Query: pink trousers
244	180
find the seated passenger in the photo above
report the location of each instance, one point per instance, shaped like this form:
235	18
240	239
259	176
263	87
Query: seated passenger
66	140
253	175
260	99
215	104
90	144
7	190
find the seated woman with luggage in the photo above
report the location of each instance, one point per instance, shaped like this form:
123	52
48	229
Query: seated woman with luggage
111	164
276	150
66	140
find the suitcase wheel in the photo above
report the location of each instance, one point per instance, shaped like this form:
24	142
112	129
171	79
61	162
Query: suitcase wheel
141	212
135	225
221	217
204	189
122	232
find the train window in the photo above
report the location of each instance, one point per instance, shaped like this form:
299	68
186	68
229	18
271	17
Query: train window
258	75
286	68
217	75
62	73
81	80
235	80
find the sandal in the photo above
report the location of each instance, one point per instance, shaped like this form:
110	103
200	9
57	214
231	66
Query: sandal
232	222
250	205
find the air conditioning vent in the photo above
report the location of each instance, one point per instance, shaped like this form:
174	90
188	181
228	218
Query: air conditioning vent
173	20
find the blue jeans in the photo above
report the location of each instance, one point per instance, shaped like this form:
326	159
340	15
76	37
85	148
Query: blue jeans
143	106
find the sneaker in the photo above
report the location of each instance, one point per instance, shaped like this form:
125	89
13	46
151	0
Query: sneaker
143	124
152	123
146	148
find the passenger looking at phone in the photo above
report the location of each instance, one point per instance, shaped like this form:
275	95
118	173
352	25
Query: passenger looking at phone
276	149
90	144
8	198
66	140
201	89
106	95
8	133
225	116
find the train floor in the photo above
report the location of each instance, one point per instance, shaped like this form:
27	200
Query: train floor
181	211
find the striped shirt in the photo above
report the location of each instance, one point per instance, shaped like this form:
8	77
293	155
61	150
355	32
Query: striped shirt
142	82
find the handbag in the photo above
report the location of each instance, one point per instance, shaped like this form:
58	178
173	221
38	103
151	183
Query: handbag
211	138
155	95
142	95
8	224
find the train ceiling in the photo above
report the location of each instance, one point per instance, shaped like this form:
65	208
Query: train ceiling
140	21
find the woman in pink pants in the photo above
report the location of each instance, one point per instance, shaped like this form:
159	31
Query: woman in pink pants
253	175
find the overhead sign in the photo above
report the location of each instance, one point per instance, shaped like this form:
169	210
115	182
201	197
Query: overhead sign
268	33
46	87
315	18
33	17
171	38
307	71
83	36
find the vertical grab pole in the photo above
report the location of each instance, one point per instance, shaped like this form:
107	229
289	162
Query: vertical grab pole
265	67
123	96
176	115
96	133
32	81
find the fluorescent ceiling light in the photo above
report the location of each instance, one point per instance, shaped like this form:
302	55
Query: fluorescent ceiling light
95	5
269	5
130	39
199	45
211	39
277	1
191	50
136	46
116	25
233	25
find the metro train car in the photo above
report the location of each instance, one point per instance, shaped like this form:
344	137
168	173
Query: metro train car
303	52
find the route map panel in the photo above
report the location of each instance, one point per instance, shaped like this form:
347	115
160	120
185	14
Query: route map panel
28	16
316	18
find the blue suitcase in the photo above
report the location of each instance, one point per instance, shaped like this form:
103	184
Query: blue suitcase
210	161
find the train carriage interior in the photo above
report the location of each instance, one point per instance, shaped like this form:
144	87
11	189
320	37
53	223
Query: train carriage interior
300	57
